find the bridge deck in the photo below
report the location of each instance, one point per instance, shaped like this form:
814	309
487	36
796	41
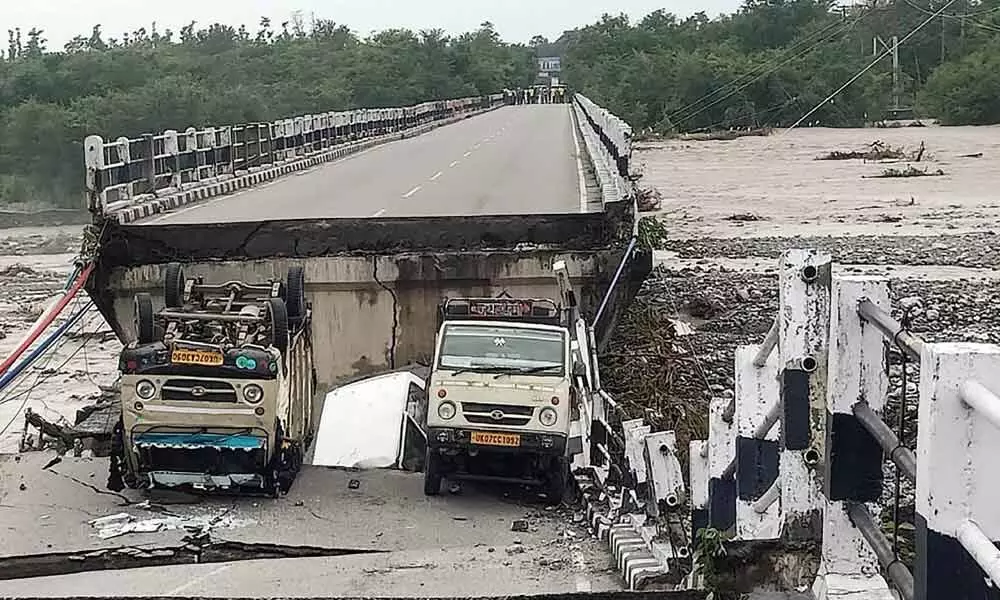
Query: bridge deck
515	160
449	546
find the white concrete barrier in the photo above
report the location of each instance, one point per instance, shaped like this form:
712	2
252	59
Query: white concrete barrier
830	366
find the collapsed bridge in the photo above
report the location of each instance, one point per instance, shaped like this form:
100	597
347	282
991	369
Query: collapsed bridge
388	211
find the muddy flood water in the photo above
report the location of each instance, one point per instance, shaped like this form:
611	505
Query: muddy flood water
706	184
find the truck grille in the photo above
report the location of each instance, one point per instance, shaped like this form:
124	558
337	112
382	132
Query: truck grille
198	390
483	414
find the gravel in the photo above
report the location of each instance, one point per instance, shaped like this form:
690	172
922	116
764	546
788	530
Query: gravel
979	250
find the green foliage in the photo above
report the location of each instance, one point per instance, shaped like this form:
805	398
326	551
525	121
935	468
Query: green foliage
967	90
148	81
709	549
775	60
653	233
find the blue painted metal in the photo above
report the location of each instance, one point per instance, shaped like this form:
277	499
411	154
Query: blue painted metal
200	440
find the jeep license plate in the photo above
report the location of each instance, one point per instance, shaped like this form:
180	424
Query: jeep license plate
508	440
206	358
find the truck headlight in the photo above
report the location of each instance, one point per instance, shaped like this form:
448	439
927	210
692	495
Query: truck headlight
446	410
145	389
253	393
548	416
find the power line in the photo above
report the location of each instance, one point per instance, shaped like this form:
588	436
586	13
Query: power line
869	67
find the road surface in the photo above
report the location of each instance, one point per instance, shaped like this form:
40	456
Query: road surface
514	160
448	546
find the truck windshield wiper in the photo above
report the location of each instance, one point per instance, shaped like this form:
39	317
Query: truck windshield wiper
528	371
466	370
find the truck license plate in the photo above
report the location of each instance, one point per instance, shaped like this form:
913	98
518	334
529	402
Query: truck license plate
510	440
196	357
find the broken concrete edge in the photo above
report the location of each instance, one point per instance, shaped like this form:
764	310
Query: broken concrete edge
30	566
780	565
154	205
134	245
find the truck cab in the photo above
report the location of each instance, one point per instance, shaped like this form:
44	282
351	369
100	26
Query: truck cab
217	387
501	394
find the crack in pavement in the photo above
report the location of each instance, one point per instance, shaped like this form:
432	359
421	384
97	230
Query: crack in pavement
30	566
94	488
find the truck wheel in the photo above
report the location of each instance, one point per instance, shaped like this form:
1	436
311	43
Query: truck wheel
145	326
432	473
173	286
279	323
558	482
295	295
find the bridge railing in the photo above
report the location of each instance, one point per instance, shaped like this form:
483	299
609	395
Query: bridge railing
608	142
127	172
799	454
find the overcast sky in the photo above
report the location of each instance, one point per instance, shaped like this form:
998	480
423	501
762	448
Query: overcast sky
515	20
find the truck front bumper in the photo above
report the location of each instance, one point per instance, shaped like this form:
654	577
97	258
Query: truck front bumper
446	438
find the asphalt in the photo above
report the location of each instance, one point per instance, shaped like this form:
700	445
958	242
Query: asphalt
448	546
514	160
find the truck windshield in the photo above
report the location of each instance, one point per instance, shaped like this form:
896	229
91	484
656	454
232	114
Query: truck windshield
500	348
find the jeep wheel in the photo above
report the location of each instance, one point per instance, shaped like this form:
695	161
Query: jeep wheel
173	286
145	325
432	473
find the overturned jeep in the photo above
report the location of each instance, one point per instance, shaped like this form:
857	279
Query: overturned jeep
217	388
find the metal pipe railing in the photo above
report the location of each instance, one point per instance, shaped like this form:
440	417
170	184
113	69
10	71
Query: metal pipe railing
900	455
767	346
770	420
614	282
981	548
891	329
771	496
986	403
900	576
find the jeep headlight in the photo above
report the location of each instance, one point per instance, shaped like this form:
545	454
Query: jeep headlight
548	416
253	393
446	410
145	389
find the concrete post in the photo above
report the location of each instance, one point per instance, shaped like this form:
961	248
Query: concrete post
665	480
635	432
957	449
853	458
757	392
721	452
803	331
93	156
698	476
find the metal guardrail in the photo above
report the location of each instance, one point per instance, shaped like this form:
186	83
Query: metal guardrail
129	171
956	528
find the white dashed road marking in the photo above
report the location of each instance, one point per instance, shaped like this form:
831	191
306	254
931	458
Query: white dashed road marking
411	192
453	164
379	213
436	175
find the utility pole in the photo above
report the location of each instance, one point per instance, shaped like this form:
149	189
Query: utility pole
894	46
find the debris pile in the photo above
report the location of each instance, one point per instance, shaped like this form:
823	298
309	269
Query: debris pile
875	151
119	524
673	350
909	171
